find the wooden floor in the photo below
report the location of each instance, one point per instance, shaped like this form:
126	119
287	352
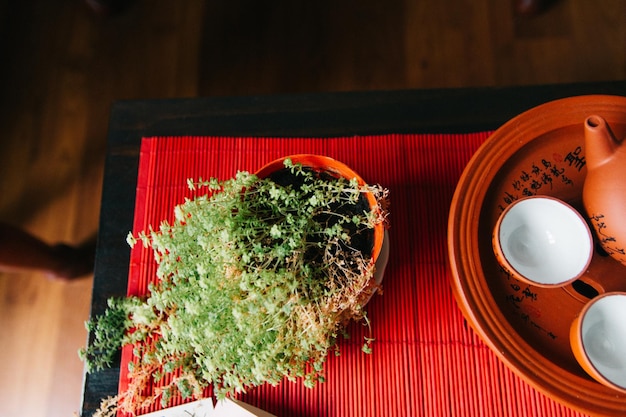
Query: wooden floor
62	67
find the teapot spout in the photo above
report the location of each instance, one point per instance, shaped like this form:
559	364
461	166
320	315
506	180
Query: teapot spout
600	142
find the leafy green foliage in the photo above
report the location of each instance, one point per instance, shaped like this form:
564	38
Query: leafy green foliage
108	332
256	279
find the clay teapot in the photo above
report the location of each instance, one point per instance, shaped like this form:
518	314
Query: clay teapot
604	190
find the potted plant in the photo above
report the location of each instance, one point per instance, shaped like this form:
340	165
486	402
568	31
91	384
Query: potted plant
257	279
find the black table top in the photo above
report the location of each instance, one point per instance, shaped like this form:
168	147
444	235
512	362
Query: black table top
302	115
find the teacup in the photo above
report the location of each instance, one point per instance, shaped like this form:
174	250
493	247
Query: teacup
543	241
598	339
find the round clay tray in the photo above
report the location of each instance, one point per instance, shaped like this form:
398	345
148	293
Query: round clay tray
542	152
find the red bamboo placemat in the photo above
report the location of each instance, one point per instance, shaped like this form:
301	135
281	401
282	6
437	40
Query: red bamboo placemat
425	361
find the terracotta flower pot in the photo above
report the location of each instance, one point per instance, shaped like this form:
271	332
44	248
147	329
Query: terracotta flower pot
320	163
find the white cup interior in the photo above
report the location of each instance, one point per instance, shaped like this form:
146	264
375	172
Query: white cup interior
545	240
604	337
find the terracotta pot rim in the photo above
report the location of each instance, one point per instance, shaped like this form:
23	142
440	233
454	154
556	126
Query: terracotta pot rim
337	169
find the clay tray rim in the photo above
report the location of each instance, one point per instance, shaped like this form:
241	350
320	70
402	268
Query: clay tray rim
478	306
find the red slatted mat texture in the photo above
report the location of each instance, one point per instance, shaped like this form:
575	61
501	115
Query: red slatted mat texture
426	360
